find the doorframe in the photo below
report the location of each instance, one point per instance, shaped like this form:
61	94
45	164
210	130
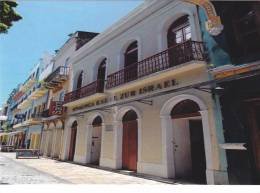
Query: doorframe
67	135
74	142
167	133
118	128
89	130
188	119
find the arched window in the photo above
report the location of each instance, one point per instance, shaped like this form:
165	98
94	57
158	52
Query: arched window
186	108
79	80
131	54
179	31
130	116
178	34
101	76
97	121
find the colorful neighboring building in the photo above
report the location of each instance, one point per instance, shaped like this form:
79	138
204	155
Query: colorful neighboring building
236	59
31	105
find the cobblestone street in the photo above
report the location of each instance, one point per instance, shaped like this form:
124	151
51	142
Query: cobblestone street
12	172
40	171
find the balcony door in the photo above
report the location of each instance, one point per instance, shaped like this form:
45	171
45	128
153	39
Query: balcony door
131	59
79	85
178	35
79	80
101	76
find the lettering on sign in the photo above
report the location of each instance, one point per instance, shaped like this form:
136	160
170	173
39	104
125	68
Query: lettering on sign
92	104
132	93
146	89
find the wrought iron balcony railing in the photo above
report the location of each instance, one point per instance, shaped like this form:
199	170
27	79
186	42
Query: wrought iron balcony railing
55	108
90	89
173	56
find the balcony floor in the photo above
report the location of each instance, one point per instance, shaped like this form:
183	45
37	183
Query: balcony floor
85	100
170	72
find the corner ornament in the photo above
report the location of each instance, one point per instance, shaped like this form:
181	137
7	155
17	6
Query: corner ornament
213	24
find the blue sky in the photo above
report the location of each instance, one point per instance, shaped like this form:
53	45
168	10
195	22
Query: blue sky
45	27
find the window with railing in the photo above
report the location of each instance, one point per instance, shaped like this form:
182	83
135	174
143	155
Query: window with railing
60	71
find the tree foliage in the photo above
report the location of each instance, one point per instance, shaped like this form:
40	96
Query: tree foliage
8	15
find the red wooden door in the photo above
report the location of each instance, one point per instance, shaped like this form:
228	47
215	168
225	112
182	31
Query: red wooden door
129	151
72	143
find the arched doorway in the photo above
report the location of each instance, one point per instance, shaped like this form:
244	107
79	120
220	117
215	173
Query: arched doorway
73	138
96	140
178	36
131	59
130	141
188	142
101	76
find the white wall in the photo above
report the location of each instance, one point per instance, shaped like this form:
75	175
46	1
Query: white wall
150	33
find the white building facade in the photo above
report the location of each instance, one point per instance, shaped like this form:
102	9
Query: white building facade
133	104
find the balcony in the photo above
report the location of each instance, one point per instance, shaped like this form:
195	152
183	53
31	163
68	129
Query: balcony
55	108
57	77
39	92
85	94
18	95
35	119
26	102
178	57
36	116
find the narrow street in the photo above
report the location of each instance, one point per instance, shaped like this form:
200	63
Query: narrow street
47	171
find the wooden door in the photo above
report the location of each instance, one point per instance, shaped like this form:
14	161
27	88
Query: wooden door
254	123
181	149
96	144
72	144
130	145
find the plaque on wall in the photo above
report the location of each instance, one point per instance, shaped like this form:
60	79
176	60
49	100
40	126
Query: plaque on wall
109	128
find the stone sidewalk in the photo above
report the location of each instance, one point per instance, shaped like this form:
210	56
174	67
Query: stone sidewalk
78	174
